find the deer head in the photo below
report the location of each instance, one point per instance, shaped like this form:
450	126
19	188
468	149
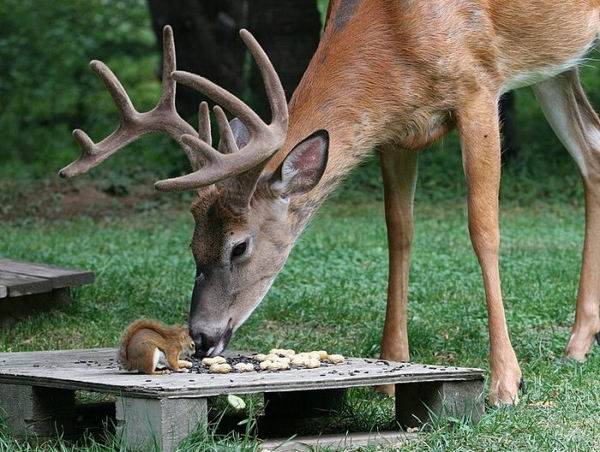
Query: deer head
243	231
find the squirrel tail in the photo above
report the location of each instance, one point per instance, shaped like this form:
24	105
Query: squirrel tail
130	331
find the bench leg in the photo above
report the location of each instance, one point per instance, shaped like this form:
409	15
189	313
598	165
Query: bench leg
417	402
36	411
158	423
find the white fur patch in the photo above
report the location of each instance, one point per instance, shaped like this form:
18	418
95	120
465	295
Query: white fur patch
544	73
538	75
155	357
159	359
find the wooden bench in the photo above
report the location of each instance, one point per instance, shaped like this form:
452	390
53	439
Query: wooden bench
37	395
26	287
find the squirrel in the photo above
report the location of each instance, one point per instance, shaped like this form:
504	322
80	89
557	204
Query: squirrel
151	347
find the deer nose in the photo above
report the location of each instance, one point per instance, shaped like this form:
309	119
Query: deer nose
205	344
211	345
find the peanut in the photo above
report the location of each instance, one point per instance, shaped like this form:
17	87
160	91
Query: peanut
335	359
244	367
216	360
220	368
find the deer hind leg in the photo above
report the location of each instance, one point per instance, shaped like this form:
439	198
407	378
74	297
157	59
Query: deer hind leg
478	126
399	170
576	124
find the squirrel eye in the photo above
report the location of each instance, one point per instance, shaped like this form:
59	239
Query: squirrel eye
192	345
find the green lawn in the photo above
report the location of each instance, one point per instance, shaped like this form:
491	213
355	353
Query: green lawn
137	241
144	268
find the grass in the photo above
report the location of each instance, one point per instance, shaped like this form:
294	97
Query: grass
144	268
137	245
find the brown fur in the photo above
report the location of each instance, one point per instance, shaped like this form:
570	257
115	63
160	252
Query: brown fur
144	336
397	75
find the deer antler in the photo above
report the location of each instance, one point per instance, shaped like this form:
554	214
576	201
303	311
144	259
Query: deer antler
209	165
264	140
162	118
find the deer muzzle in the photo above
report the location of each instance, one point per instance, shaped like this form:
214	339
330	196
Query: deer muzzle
209	321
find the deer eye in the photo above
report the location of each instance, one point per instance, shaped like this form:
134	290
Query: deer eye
239	249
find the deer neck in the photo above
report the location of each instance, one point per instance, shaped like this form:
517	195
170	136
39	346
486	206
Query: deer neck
350	93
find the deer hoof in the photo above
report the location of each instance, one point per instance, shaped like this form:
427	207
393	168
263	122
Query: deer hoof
504	389
523	386
580	345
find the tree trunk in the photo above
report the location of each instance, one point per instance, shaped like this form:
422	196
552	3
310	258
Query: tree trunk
206	41
289	31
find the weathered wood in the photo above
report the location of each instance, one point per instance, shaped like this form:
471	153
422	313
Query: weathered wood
60	277
19	285
30	410
349	441
3	291
158	423
96	370
36	391
417	402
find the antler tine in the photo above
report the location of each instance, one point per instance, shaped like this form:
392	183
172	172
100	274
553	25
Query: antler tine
167	98
116	90
204	130
264	140
133	124
273	87
227	144
221	96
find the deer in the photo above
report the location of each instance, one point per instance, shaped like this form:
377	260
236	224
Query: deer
388	75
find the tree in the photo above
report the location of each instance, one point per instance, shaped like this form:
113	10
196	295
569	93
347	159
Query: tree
207	41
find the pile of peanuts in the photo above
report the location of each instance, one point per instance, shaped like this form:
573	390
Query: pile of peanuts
276	359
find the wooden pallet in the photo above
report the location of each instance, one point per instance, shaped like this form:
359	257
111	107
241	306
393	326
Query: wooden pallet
37	393
26	287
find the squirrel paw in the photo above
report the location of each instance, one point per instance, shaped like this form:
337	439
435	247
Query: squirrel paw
184	363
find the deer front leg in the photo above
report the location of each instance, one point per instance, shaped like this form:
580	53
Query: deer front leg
480	139
399	171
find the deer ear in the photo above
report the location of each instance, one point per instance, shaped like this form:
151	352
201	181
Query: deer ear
240	132
304	166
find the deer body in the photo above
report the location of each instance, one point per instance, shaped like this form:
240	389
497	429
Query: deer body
395	75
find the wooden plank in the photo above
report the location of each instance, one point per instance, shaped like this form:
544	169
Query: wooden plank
18	285
3	291
348	441
96	370
145	423
38	411
61	277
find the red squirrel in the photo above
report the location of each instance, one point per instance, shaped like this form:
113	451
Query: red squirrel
151	347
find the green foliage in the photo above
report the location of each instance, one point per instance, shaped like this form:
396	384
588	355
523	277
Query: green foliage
47	88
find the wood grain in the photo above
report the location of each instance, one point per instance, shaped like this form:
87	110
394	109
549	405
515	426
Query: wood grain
96	370
18	285
60	277
349	441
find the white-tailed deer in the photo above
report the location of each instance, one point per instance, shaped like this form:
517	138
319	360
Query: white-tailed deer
395	75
